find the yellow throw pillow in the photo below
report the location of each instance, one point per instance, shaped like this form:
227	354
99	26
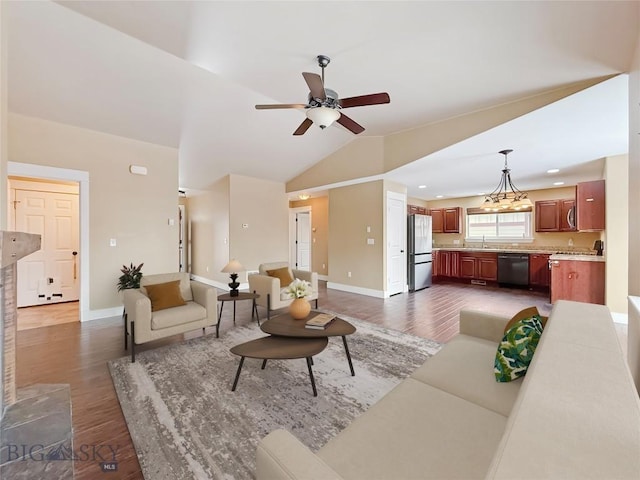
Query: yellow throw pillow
283	274
164	295
522	314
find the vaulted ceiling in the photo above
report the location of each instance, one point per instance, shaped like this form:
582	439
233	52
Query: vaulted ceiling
188	74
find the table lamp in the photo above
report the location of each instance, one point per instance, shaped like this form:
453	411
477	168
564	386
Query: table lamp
232	268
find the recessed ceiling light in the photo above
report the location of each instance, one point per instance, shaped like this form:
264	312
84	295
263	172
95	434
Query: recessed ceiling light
439	196
553	170
558	183
422	186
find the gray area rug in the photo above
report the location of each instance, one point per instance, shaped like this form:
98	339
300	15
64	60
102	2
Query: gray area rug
186	422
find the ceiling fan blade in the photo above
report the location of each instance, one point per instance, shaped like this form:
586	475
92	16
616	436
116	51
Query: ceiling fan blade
281	105
315	84
362	100
350	124
304	126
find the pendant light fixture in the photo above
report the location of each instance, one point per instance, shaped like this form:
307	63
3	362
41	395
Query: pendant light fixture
506	196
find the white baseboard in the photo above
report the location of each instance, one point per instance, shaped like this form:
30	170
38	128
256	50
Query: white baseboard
88	315
323	277
621	318
359	290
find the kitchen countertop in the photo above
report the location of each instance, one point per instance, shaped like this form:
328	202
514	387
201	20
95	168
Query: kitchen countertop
556	254
581	258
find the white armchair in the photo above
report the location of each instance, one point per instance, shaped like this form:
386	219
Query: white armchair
269	287
144	325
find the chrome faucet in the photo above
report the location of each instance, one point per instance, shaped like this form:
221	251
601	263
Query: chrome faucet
483	245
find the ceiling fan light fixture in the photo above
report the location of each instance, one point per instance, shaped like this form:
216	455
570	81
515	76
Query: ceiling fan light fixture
323	116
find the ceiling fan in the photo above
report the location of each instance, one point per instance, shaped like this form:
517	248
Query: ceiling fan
323	106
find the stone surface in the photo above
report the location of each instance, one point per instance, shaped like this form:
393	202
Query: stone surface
36	436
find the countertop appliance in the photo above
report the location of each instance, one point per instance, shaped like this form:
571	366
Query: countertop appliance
513	269
598	246
419	258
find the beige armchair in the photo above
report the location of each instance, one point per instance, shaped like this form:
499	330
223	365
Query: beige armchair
269	287
143	325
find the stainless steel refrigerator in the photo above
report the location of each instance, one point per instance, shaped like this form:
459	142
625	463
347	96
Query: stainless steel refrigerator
419	258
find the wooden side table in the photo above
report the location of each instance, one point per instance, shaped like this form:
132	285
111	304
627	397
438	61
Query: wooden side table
226	297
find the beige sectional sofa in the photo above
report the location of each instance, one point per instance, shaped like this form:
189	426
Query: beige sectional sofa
575	415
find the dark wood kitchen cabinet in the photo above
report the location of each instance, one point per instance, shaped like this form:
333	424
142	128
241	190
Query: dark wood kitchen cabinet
539	274
445	220
555	215
446	263
479	266
437	220
590	206
577	280
416	209
547	216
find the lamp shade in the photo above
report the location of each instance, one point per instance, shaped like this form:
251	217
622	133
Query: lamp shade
233	266
323	116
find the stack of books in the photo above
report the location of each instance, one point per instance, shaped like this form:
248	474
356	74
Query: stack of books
320	321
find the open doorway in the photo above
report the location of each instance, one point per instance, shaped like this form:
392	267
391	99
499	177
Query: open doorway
51	275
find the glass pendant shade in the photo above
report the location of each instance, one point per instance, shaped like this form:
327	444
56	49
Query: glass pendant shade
323	116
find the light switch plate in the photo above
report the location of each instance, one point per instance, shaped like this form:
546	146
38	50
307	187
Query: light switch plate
112	242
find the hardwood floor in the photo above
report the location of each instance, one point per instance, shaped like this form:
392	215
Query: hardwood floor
47	315
77	353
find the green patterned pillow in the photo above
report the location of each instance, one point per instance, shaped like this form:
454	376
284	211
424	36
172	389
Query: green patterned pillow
516	350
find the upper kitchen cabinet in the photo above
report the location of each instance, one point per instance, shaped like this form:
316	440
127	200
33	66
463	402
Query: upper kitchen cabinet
547	218
416	209
555	216
445	220
590	206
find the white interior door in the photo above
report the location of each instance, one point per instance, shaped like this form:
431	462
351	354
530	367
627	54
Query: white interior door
396	243
51	274
303	241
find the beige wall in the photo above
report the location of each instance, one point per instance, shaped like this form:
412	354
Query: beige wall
633	345
541	239
616	238
209	217
416	201
351	210
133	209
320	231
370	156
263	206
3	113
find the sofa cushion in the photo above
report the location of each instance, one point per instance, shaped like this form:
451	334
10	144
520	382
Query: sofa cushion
165	295
464	368
516	350
417	431
170	317
283	274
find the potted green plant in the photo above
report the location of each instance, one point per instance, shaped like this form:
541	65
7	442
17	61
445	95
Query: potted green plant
130	277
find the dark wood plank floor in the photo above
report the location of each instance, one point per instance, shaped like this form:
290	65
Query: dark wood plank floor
77	354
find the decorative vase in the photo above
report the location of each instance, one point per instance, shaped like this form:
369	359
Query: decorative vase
299	308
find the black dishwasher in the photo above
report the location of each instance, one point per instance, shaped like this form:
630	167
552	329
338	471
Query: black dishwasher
513	269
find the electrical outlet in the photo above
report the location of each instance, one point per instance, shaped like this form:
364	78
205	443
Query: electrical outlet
324	266
112	242
370	241
349	274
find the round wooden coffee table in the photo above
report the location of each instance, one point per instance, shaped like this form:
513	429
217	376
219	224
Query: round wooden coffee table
286	326
280	348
